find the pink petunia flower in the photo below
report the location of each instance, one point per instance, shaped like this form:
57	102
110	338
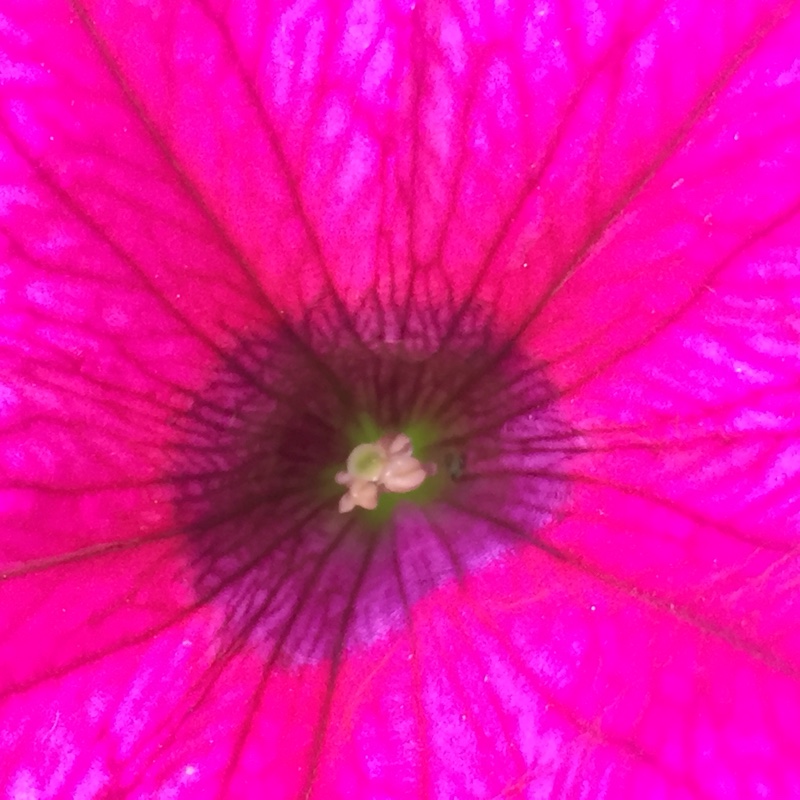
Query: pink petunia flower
248	248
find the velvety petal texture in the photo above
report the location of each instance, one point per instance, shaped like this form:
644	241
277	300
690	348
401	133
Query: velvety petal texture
612	184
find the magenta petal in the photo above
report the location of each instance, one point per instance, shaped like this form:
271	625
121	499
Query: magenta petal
617	179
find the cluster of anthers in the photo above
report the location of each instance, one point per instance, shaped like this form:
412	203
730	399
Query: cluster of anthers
383	466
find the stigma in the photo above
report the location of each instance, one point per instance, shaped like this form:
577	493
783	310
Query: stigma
387	465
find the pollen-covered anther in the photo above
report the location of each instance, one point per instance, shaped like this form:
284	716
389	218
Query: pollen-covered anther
386	465
360	493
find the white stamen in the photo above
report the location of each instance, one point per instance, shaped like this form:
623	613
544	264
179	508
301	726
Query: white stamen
403	474
385	465
361	493
400	445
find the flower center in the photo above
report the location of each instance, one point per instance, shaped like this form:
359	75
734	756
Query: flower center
386	465
339	469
